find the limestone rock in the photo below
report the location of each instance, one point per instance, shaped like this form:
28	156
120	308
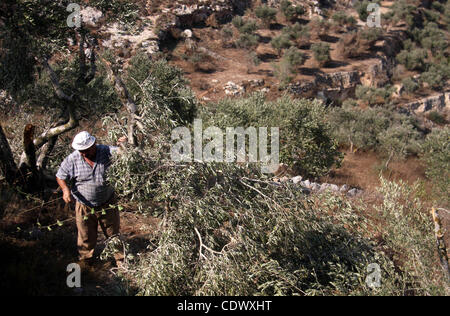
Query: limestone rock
296	179
354	192
233	89
91	16
187	33
306	184
439	103
344	188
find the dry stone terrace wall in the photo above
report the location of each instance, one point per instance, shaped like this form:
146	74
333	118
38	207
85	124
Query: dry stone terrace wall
314	187
437	103
171	21
376	72
186	14
333	85
175	20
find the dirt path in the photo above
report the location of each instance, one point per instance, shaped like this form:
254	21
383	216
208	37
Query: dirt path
37	260
363	170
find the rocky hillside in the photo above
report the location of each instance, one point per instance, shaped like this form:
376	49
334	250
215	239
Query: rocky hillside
363	112
200	37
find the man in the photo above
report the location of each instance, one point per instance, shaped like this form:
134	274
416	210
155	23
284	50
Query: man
87	166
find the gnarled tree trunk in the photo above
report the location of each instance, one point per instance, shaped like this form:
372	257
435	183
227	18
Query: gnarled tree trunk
29	172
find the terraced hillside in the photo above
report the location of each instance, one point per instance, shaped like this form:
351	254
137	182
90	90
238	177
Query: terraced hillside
364	157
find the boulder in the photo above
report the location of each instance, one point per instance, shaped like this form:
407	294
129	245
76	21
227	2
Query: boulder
305	184
91	16
344	188
233	89
324	187
284	179
354	192
334	188
187	33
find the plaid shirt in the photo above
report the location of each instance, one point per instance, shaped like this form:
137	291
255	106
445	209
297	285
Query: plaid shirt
90	187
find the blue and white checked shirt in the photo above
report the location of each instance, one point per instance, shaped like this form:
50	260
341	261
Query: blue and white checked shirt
91	187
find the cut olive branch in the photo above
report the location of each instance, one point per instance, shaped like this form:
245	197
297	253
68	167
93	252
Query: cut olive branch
85	218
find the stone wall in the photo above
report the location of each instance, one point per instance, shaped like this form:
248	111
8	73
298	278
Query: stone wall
439	103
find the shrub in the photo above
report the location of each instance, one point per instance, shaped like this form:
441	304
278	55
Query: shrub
305	142
431	37
321	53
343	19
227	230
399	141
376	129
125	11
408	230
291	12
370	35
287	67
437	118
431	16
437	6
247	41
227	37
436	156
413	59
361	8
165	83
245	27
281	42
298	33
356	43
227	33
349	103
257	248
198	59
319	27
442	63
373	96
294	57
294	31
410	85
254	59
266	14
446	15
238	21
434	77
402	10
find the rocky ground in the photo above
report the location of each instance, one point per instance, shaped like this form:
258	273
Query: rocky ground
187	25
181	26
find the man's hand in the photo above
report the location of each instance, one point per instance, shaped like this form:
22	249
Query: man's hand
121	143
66	191
121	140
67	197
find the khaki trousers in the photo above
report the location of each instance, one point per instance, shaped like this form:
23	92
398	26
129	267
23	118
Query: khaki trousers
87	225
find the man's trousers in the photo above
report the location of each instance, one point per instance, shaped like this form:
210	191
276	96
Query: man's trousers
87	224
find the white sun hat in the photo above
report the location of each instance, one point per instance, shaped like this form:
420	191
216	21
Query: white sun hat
83	141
